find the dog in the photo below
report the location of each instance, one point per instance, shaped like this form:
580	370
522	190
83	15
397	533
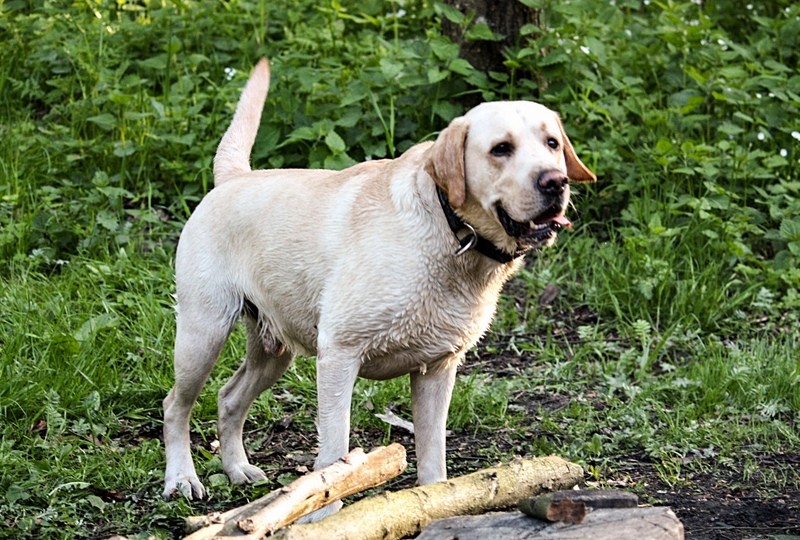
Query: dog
387	268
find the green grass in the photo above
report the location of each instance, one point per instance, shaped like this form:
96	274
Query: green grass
633	387
673	338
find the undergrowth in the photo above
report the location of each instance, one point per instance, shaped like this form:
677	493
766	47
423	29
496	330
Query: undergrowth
671	327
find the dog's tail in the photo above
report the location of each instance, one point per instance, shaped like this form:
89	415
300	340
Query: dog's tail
233	153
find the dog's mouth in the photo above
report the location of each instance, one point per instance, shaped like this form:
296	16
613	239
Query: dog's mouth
537	231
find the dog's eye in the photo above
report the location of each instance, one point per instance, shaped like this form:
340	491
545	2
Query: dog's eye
552	143
502	150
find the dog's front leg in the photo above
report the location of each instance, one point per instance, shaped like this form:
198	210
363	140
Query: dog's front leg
430	400
337	371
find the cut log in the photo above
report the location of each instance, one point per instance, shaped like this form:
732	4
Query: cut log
393	515
545	508
571	506
353	473
651	523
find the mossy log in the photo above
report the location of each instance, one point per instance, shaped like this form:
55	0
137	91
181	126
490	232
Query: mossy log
392	515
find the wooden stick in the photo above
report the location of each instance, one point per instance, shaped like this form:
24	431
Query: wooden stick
393	515
353	473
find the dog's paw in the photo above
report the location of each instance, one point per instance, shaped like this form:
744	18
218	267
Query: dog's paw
244	473
188	486
322	513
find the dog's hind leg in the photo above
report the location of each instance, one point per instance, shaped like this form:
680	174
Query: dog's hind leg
266	361
198	342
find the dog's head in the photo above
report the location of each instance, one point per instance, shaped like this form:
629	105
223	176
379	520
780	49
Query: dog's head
507	168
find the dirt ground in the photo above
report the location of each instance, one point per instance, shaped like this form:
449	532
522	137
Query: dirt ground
719	505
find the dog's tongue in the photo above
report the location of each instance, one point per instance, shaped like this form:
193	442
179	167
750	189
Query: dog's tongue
561	219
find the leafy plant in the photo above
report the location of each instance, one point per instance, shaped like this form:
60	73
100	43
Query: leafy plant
662	326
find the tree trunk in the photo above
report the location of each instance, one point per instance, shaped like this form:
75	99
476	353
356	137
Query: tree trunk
503	17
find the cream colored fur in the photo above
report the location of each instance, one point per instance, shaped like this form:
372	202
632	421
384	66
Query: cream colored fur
356	267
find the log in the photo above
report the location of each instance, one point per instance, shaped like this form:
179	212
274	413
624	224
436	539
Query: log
571	506
393	515
353	473
650	523
566	510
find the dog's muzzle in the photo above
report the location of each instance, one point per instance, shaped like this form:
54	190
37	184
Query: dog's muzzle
537	231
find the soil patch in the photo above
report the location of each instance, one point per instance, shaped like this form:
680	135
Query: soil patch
718	505
716	502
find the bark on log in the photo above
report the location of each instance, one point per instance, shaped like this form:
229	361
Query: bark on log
353	473
394	515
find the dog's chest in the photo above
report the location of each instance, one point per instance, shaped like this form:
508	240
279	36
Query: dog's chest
416	328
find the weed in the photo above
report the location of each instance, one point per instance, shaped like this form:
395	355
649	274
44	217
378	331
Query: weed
667	330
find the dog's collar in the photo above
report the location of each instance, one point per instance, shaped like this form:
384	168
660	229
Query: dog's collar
473	240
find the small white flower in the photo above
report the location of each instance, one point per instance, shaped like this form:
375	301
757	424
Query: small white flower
628	32
761	136
784	152
758	95
771	94
585	49
796	135
229	73
647	3
749	7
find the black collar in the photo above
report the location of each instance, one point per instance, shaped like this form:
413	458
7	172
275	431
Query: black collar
473	239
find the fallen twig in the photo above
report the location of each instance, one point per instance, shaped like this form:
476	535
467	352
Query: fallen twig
353	473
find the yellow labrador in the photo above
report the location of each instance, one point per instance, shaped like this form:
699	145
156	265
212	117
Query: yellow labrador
387	268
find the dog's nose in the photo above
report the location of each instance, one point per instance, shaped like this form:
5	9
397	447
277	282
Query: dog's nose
552	182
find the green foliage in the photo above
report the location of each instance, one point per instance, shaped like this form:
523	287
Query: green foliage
674	332
690	123
117	109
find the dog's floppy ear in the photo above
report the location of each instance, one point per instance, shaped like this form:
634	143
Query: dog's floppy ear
576	170
445	161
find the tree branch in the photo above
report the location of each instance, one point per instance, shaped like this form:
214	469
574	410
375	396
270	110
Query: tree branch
394	515
353	473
